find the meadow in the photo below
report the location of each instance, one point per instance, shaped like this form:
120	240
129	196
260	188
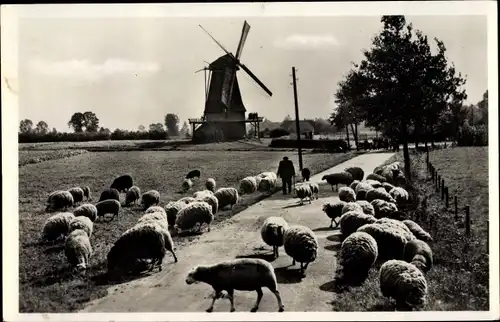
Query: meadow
45	282
459	279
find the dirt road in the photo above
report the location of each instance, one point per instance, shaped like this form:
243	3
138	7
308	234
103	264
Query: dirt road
167	291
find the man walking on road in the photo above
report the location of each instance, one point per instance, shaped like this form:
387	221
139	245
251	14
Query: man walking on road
286	171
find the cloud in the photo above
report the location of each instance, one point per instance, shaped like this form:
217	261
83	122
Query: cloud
307	41
85	69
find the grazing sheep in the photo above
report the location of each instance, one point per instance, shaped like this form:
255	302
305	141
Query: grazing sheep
122	183
377	177
152	216
418	231
314	189
396	223
379	193
212	201
56	226
227	197
153	209
383	208
59	200
244	274
193	174
303	191
197	212
78	250
137	243
352	220
419	254
109	206
172	209
268	174
347	194
77	194
352	206
306	174
257	180
273	231
210	184
357	255
86	210
333	211
301	245
186	185
150	198
387	186
186	200
110	193
400	195
356	172
86	193
367	207
83	223
202	194
403	282
162	226
248	185
334	179
133	194
267	183
354	184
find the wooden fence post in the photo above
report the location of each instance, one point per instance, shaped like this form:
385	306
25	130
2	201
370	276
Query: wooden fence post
456	208
467	220
438	181
442	189
447	197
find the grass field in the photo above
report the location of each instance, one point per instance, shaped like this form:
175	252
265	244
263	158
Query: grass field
45	282
459	278
37	156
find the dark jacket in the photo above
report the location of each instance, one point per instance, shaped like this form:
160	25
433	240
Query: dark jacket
286	169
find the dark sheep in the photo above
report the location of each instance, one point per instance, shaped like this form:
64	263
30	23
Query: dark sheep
109	193
334	179
123	183
193	174
306	174
356	172
333	211
150	198
374	176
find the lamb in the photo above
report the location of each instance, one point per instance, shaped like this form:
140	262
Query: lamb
212	201
59	200
314	189
193	174
301	245
352	206
383	208
77	194
86	210
418	253
354	184
78	250
186	185
400	195
347	194
202	194
56	226
83	223
333	211
273	231
122	183
303	191
377	177
248	185
403	282
186	200
367	207
352	220
210	184
227	197
86	193
109	206
357	255
306	174
334	179
137	243
150	198
197	212
387	186
162	226
133	194
379	193
245	274
110	193
356	172
418	231
172	209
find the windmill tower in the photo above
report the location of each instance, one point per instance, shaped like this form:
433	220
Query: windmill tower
224	114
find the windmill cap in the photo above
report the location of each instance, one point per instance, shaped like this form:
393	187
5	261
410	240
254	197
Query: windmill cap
285	158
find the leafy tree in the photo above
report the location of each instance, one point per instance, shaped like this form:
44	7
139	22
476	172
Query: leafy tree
77	122
158	127
54	130
42	128
141	128
91	122
172	124
26	126
400	83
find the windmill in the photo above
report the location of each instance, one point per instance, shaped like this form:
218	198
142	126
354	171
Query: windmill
224	108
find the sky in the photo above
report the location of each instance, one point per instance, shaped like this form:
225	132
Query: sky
133	71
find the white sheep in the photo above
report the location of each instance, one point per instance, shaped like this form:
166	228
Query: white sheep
172	209
357	255
150	198
419	254
59	200
363	185
210	184
212	201
333	211
186	200
78	250
387	186
186	185
197	212
352	220
273	231
379	193
248	185
153	209
56	226
87	210
352	206
227	197
303	191
301	245
245	274
108	206
354	184
347	194
133	194
314	189
418	231
202	194
383	208
361	194
162	226
152	216
77	194
403	282
83	223
374	183
367	207
399	194
267	183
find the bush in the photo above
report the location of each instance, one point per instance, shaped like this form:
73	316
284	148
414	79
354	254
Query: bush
331	146
91	136
476	135
279	132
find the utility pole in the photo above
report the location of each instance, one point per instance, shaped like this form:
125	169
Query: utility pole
297	123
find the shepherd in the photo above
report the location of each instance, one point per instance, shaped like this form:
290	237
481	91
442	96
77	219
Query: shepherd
286	171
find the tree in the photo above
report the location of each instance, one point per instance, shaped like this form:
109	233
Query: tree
80	121
42	128
26	126
400	83
172	124
141	128
185	129
158	127
54	130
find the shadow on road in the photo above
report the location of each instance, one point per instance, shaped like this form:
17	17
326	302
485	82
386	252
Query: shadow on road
335	238
285	275
265	256
323	229
334	247
295	205
328	287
